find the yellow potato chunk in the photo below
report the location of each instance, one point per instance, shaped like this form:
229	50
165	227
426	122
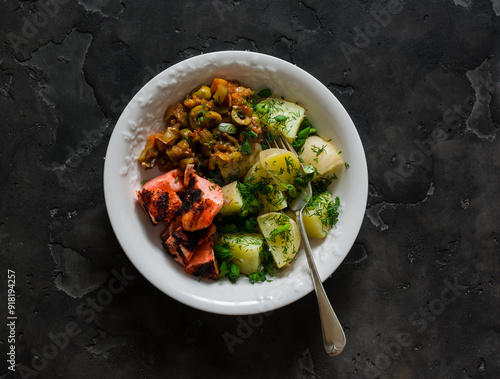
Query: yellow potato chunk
233	201
283	167
281	115
268	152
245	248
321	154
273	199
317	217
282	236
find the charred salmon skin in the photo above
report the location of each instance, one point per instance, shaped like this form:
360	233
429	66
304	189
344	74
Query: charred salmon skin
182	244
203	261
159	205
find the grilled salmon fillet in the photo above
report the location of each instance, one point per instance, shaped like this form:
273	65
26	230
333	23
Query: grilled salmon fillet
203	262
202	201
170	181
159	205
187	204
182	244
171	226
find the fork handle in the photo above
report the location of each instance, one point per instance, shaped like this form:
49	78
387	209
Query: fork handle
333	335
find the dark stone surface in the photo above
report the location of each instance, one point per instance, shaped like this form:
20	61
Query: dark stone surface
423	90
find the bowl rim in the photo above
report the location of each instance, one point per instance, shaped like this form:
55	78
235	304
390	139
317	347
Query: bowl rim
115	215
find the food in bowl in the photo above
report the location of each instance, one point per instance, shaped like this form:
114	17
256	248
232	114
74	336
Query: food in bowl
222	174
123	176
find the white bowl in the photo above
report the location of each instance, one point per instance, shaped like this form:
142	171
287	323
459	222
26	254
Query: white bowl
141	241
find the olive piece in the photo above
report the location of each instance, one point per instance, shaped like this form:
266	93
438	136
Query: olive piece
194	114
211	118
199	116
204	93
239	118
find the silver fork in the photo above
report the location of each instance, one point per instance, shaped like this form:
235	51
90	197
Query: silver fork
333	335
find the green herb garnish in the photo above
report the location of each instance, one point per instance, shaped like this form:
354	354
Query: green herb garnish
264	93
252	134
266	266
279	230
245	148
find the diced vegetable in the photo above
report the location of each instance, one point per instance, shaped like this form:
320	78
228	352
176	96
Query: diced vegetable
220	88
229	164
233	201
245	249
282	236
281	115
322	155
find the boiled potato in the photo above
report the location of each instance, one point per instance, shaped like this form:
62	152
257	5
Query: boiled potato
268	152
245	248
321	154
283	167
281	115
316	214
282	236
233	201
255	174
273	201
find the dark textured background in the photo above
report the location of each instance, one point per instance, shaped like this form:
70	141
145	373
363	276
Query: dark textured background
423	91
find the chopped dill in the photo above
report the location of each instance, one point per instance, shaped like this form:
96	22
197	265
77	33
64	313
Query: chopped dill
279	230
